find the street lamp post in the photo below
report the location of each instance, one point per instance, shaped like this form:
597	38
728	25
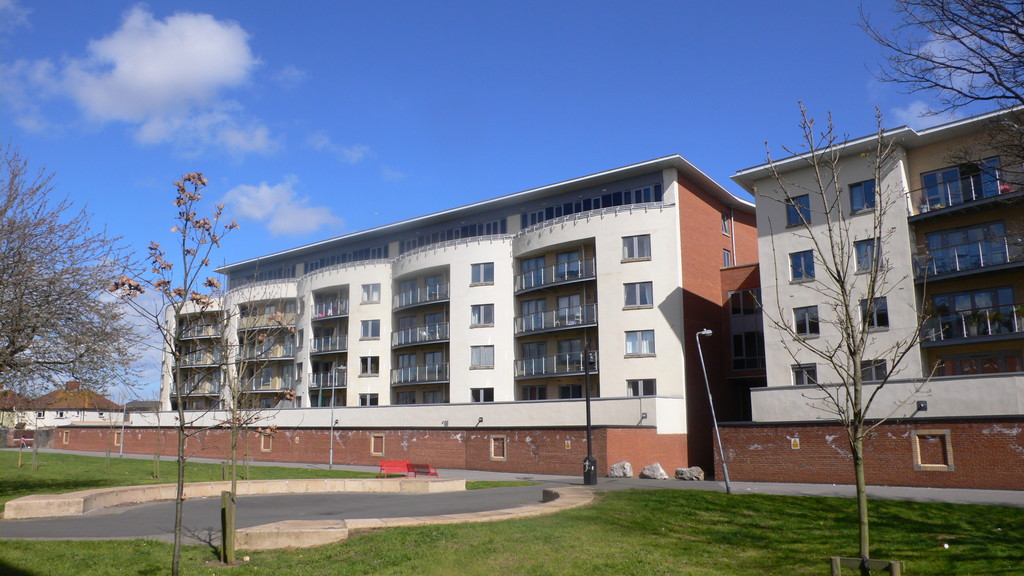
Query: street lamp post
590	463
714	420
334	389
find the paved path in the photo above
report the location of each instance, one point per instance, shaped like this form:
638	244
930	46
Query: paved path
155	520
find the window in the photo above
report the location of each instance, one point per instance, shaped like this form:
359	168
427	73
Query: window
369	365
639	342
805	321
482	315
569	391
725	224
65	436
481	357
433	397
369	329
967	248
805	374
866	252
368	400
636	247
862	196
745	302
266	442
498	448
534	393
639	294
959	184
371	293
641	387
482	394
405	397
483	273
798	210
873	370
748	351
376	440
726	258
802	265
877	314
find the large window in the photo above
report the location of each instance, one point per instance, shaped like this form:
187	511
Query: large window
482	315
534	393
877	314
959	184
368	400
984	312
639	342
369	329
866	252
805	374
748	351
873	370
802	265
969	248
805	321
745	302
636	247
371	293
481	357
482	394
639	294
798	210
483	273
862	196
646	387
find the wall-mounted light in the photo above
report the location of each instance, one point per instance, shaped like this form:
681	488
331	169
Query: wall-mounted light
922	405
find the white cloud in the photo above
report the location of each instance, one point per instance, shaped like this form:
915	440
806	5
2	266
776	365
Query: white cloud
354	154
918	115
164	78
391	175
12	15
280	207
291	76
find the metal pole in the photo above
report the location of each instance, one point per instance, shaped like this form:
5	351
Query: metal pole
590	464
330	461
714	420
124	412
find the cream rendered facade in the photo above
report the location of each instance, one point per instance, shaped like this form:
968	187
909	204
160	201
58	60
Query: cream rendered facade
909	292
491	328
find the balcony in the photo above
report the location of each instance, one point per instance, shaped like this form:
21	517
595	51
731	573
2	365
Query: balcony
328	310
202	331
328	344
198	388
555	365
421	296
333	379
561	319
955	196
990	323
275	352
561	273
271	384
279	320
420	374
201	358
424	334
994	251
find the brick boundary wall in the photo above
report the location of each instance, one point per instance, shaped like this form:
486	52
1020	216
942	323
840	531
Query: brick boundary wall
530	451
984	453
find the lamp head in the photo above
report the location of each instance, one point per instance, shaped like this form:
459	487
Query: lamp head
704	332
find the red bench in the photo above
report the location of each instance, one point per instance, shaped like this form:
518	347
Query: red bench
393	467
405	468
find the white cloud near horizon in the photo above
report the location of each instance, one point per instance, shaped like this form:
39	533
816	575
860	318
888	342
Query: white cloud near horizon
165	79
279	207
354	154
918	115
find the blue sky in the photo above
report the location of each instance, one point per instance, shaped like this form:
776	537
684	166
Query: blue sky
315	119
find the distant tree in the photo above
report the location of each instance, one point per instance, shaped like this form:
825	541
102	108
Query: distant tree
57	323
850	285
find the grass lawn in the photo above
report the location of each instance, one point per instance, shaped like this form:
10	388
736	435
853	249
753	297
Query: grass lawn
643	532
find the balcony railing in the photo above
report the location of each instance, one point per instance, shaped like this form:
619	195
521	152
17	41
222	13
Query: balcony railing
332	309
203	358
203	331
973	323
420	334
427	295
198	388
266	384
330	344
986	184
567	363
277	320
421	374
992	251
569	317
561	272
276	352
333	379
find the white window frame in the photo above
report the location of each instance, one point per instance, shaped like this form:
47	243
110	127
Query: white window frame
369	329
640	343
636	247
482	274
481	315
634	293
481	357
371	294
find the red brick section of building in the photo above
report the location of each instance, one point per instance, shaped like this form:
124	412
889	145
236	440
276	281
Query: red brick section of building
980	453
703	243
530	451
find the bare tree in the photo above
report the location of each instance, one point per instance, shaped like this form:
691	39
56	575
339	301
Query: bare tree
178	277
849	280
56	321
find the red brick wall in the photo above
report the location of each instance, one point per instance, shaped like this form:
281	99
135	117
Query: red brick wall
536	451
985	453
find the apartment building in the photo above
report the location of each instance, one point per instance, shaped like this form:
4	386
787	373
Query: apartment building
491	320
950	244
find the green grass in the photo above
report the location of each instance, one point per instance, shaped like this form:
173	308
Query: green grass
643	532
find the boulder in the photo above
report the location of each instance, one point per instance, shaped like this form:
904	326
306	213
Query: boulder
621	470
654	471
691	473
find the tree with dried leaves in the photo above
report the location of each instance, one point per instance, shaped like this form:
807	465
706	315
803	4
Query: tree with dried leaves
840	204
57	323
186	294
